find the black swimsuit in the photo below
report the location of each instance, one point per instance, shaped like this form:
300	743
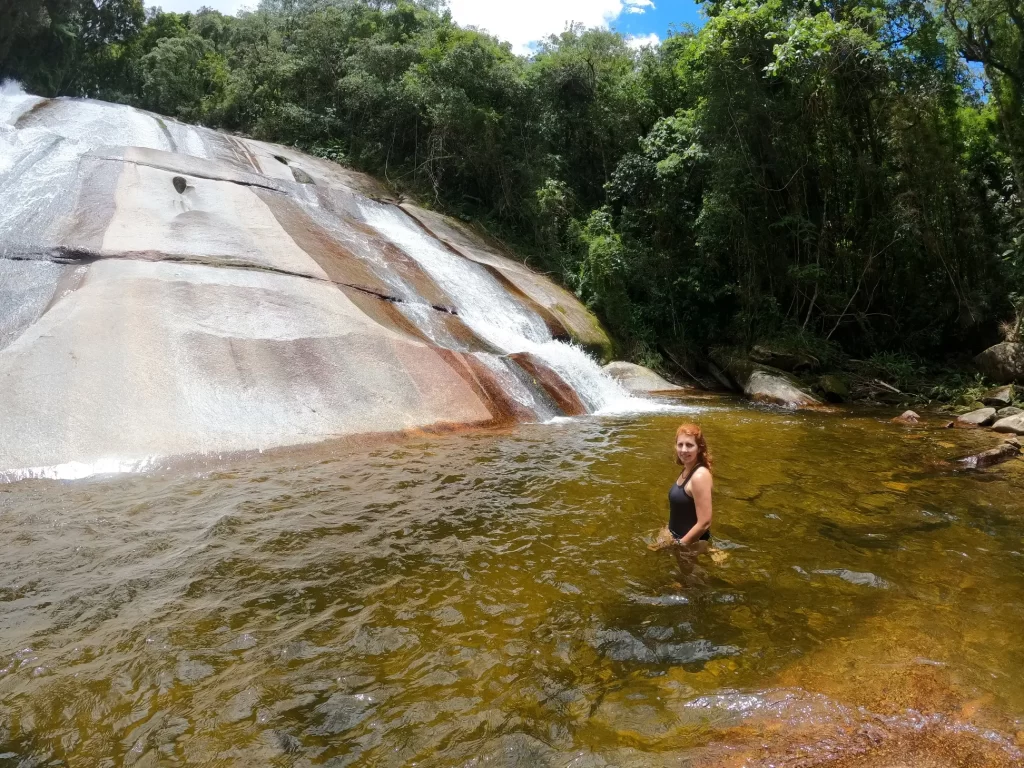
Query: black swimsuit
682	508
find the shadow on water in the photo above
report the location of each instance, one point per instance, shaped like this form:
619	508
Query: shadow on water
490	598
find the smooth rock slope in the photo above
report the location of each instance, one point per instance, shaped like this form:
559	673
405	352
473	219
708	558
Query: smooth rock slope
168	290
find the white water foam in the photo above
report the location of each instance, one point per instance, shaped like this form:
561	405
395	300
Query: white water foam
14	102
78	470
497	317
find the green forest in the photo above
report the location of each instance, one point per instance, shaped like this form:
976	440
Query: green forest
845	176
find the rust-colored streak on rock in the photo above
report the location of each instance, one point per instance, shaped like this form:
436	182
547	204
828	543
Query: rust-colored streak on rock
555	326
340	263
563	395
383	312
505	411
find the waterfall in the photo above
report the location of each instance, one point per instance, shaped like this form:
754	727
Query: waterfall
498	317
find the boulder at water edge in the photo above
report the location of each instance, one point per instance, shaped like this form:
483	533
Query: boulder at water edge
1011	424
1003	363
764	387
638	379
761	383
167	290
979	418
1000	397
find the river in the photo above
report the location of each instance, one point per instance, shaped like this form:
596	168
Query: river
488	598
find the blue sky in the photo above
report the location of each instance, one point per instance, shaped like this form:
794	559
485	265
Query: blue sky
524	21
659	19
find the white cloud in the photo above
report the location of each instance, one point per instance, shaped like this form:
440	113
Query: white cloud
528	21
636	42
639	6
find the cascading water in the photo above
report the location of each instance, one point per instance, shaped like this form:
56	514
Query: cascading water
161	342
497	317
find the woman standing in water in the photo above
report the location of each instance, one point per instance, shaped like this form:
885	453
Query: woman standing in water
689	499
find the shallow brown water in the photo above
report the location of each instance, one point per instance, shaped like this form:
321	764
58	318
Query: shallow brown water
489	599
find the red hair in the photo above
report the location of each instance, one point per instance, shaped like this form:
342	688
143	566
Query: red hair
703	454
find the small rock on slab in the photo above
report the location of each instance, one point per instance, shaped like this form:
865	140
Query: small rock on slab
1012	424
1002	413
1008	450
1000	397
907	417
979	418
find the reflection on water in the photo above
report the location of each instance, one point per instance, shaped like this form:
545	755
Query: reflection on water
489	599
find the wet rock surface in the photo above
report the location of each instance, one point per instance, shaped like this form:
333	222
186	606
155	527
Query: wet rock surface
1008	450
638	379
982	417
1010	424
168	291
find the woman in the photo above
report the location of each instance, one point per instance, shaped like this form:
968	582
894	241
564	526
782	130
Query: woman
689	500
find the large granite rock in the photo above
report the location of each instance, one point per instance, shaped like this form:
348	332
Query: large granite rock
1000	397
761	383
982	417
1010	424
1003	363
638	379
171	291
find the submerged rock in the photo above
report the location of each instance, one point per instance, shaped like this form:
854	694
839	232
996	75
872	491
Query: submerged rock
979	418
1003	363
638	379
861	579
1008	450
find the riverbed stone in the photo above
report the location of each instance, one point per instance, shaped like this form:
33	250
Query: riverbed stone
638	379
1004	452
1003	363
982	417
1011	424
1000	397
1010	410
907	417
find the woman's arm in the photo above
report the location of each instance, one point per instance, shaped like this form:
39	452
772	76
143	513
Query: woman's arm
700	486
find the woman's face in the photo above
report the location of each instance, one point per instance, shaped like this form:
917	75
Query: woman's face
686	448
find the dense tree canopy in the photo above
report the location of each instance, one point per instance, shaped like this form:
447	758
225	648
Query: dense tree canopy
845	173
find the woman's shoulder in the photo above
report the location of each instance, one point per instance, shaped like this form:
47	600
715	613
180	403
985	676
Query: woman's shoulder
702	474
